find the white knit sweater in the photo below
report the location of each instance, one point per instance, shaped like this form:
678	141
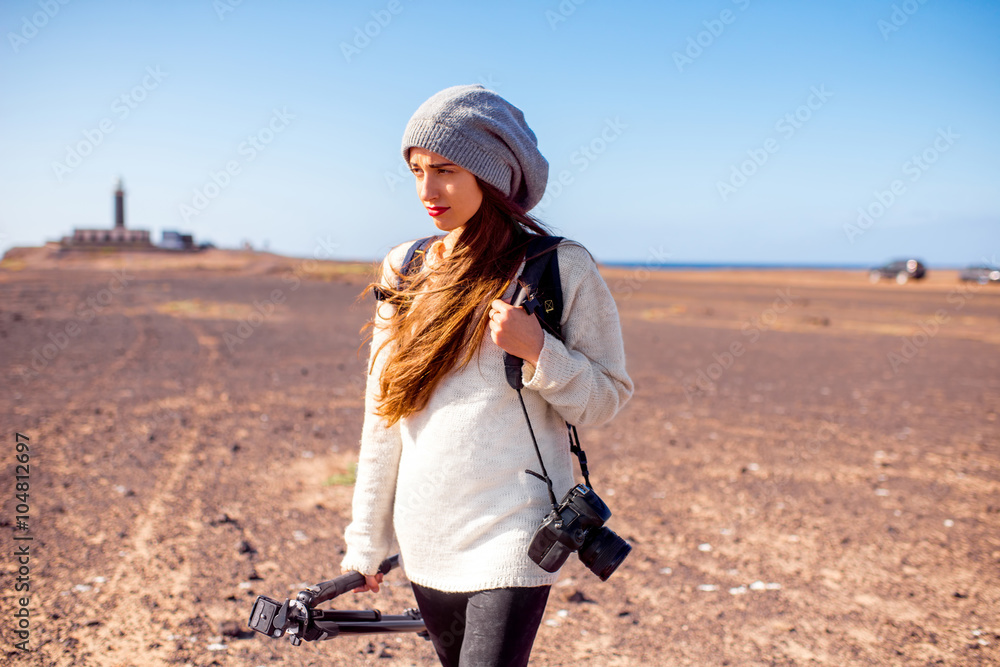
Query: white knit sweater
450	481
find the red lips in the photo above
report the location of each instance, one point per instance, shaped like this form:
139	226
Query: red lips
435	211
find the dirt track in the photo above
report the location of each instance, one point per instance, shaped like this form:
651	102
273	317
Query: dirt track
808	472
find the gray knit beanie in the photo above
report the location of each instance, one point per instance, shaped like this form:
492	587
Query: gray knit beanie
480	131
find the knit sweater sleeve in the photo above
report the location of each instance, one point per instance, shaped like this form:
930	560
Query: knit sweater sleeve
584	379
370	534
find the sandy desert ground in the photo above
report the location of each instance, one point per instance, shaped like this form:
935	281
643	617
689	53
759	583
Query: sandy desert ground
808	472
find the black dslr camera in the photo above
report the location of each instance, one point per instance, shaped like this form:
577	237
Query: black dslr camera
578	523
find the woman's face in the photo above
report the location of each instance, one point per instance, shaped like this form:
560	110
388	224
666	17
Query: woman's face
450	193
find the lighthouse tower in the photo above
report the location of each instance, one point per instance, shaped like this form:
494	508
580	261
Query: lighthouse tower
119	205
116	237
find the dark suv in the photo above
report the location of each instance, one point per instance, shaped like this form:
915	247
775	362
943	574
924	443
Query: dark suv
980	274
901	270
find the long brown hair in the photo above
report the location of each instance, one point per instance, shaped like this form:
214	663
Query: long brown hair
442	314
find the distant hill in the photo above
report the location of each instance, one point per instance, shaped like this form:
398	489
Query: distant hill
53	256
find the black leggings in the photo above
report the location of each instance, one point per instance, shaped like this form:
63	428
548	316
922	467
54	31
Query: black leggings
493	628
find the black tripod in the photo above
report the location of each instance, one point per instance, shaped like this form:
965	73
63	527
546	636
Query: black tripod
300	619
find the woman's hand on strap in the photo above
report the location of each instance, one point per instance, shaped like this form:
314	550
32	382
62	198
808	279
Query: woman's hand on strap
516	331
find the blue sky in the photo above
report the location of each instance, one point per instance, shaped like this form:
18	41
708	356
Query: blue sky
721	131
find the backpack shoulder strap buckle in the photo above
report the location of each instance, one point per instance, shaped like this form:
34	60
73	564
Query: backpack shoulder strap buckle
413	261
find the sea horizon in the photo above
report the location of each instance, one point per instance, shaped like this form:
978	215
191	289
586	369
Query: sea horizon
757	266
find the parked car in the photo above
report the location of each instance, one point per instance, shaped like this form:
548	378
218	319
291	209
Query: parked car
900	270
980	274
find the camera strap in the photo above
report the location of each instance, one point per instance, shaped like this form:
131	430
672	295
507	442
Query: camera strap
545	473
542	269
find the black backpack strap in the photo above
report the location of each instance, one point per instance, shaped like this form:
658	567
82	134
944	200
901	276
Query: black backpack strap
540	283
412	262
414	259
540	292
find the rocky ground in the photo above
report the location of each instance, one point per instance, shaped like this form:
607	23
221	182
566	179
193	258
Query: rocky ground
808	471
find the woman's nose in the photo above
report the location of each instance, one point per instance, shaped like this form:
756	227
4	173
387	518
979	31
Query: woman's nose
427	188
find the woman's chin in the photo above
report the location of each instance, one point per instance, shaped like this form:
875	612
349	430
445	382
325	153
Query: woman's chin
445	226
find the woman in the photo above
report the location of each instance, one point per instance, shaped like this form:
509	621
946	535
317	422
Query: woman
445	444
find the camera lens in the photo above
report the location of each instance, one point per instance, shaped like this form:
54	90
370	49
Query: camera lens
603	552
